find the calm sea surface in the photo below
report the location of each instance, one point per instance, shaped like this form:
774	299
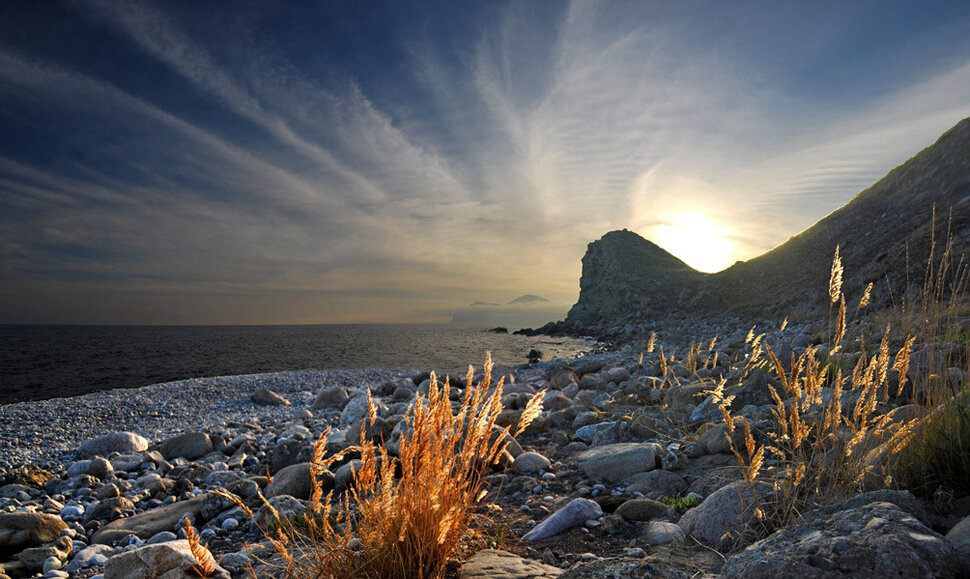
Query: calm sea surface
39	362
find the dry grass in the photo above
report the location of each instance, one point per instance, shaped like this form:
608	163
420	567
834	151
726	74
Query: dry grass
205	564
405	516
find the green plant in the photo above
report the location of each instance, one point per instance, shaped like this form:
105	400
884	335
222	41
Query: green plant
681	504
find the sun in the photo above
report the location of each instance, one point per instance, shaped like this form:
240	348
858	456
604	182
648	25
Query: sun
698	241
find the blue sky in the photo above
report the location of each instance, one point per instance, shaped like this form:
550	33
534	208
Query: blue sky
318	162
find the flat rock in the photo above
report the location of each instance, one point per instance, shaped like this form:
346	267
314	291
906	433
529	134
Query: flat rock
496	564
171	560
120	442
148	523
959	537
616	462
627	569
22	529
875	540
577	512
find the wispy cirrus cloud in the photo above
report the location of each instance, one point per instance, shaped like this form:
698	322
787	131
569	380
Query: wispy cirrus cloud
295	174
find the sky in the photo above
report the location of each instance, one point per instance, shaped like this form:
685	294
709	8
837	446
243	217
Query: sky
243	162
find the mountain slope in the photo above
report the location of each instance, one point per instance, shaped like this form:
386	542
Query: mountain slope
884	235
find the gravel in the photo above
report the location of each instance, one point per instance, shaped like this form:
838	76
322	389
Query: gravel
46	433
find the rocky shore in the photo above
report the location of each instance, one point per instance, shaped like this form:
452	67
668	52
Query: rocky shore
627	473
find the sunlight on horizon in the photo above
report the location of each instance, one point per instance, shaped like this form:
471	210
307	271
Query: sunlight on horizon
696	240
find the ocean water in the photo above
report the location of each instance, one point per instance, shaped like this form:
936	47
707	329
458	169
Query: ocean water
46	361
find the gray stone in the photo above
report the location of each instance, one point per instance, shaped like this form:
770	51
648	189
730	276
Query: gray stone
108	509
722	519
267	397
120	442
659	533
285	505
577	512
189	446
661	481
96	467
172	560
530	462
333	396
90	557
878	539
616	462
959	537
496	564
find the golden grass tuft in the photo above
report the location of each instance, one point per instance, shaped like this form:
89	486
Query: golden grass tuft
405	516
205	564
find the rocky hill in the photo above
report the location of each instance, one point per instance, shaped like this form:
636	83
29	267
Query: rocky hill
884	235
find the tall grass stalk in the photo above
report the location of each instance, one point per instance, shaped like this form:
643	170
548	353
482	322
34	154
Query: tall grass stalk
404	516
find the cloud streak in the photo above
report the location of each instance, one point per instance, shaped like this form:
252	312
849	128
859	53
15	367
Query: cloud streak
247	179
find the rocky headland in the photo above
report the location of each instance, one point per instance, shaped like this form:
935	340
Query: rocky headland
700	446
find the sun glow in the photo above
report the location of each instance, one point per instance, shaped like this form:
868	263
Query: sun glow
698	241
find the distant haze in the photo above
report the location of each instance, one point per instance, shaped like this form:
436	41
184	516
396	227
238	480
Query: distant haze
328	162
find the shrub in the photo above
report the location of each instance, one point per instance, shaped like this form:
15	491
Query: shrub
404	516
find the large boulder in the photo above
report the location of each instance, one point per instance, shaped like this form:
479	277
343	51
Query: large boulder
296	481
875	540
959	537
189	446
170	560
723	519
22	529
616	462
120	442
496	564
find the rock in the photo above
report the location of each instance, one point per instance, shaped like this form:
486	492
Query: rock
530	462
22	529
616	375
267	397
555	400
496	564
715	441
333	396
95	555
189	446
592	382
108	509
295	480
577	512
148	523
641	509
616	462
959	537
706	411
722	519
878	539
597	434
659	533
35	557
289	453
661	481
172	560
120	442
96	467
285	505
627	568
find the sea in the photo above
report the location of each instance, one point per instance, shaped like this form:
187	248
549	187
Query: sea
38	362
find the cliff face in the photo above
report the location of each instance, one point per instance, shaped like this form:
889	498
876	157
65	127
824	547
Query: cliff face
884	235
626	277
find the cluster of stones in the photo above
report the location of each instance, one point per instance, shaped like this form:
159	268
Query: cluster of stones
581	488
